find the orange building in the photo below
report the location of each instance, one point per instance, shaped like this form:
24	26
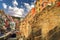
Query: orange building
25	27
41	4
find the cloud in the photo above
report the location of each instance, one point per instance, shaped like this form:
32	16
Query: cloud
28	6
4	6
14	11
34	1
32	6
19	12
15	3
10	7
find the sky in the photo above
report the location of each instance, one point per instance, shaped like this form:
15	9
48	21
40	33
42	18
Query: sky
17	8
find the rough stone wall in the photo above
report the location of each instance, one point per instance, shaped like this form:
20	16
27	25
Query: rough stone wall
44	20
25	27
47	20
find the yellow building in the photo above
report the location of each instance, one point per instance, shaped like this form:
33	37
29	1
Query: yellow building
41	4
25	26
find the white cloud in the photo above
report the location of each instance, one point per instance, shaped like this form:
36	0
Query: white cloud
4	5
15	11
15	3
34	1
28	6
18	12
10	7
32	6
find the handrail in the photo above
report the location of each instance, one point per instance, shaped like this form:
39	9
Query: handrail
54	33
5	35
38	36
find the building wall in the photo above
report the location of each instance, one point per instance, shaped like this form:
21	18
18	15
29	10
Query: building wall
25	26
41	4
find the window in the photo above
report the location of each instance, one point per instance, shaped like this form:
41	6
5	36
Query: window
42	5
39	4
38	0
39	9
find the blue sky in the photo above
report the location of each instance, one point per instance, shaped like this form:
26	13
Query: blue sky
18	8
